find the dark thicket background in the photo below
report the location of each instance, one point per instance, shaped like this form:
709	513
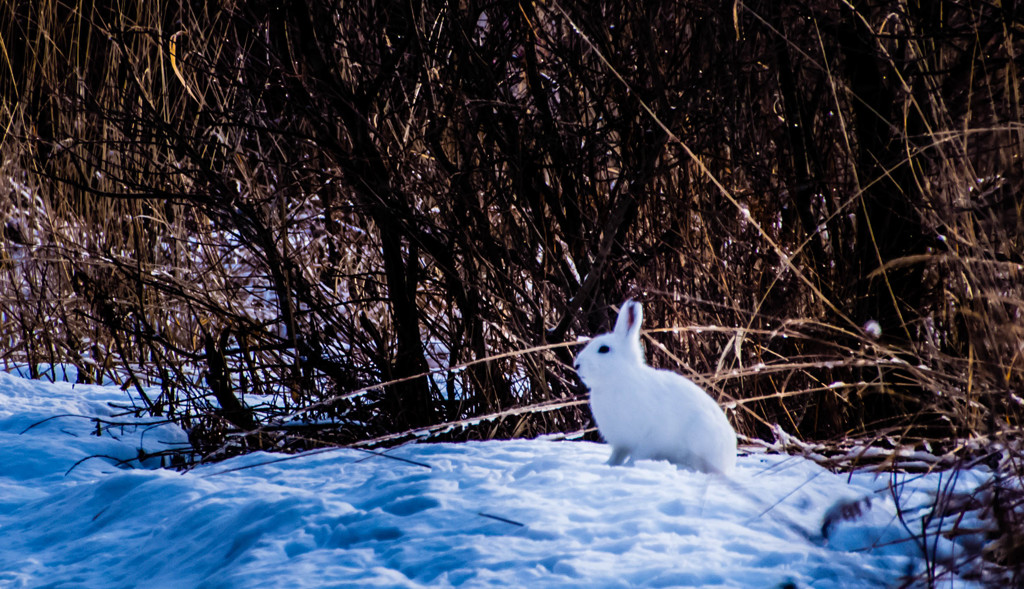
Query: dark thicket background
344	222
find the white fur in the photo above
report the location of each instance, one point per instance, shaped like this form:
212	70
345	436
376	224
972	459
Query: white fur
643	412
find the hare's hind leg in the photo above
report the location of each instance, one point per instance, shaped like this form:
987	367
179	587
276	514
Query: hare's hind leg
618	456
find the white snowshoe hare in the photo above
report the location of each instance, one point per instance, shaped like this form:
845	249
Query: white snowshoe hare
643	412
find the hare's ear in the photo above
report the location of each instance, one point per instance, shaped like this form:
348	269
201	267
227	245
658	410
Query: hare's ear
631	315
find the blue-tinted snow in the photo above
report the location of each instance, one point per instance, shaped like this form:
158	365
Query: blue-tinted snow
503	513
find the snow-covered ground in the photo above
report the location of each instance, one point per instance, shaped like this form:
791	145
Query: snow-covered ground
503	513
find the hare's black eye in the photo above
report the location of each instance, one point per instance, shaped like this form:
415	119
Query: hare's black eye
603	350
